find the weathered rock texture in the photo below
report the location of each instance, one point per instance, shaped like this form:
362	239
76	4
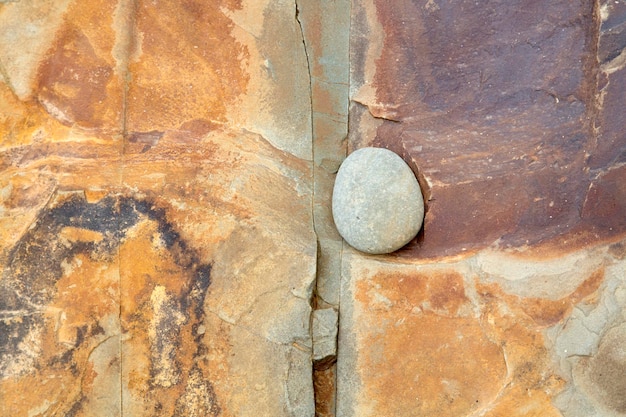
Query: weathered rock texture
166	170
510	303
156	227
512	112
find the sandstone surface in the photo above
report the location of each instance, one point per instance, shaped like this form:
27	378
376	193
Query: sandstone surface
157	247
167	245
510	301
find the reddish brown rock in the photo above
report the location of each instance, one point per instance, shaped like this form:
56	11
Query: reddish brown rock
79	82
509	115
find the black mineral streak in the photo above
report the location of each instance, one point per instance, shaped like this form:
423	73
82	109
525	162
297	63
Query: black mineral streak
34	267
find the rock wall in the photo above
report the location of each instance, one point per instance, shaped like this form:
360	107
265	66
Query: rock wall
166	236
510	302
158	248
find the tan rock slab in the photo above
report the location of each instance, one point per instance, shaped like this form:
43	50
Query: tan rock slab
159	257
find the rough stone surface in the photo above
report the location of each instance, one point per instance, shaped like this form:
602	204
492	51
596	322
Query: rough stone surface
514	118
156	246
377	203
326	28
511	300
166	170
324	332
447	339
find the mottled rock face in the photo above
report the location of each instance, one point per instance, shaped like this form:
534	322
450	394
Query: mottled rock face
137	209
377	203
510	117
167	242
510	302
604	371
67	264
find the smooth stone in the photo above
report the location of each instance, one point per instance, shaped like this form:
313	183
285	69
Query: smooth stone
377	202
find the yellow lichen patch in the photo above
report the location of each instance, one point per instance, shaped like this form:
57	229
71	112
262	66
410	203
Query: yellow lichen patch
440	292
545	312
24	123
215	363
145	263
94	195
164	324
22	194
426	367
520	401
531	380
45	393
64	377
517	323
432	349
158	320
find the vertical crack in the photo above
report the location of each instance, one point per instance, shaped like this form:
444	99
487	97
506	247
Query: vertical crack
123	51
324	28
308	66
313	300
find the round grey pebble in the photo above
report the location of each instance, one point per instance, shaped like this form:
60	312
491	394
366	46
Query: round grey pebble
377	202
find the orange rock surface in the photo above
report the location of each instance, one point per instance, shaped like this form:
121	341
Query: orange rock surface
166	171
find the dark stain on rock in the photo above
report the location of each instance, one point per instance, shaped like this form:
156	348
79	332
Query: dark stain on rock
200	287
618	250
62	360
76	408
35	265
140	142
13	331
